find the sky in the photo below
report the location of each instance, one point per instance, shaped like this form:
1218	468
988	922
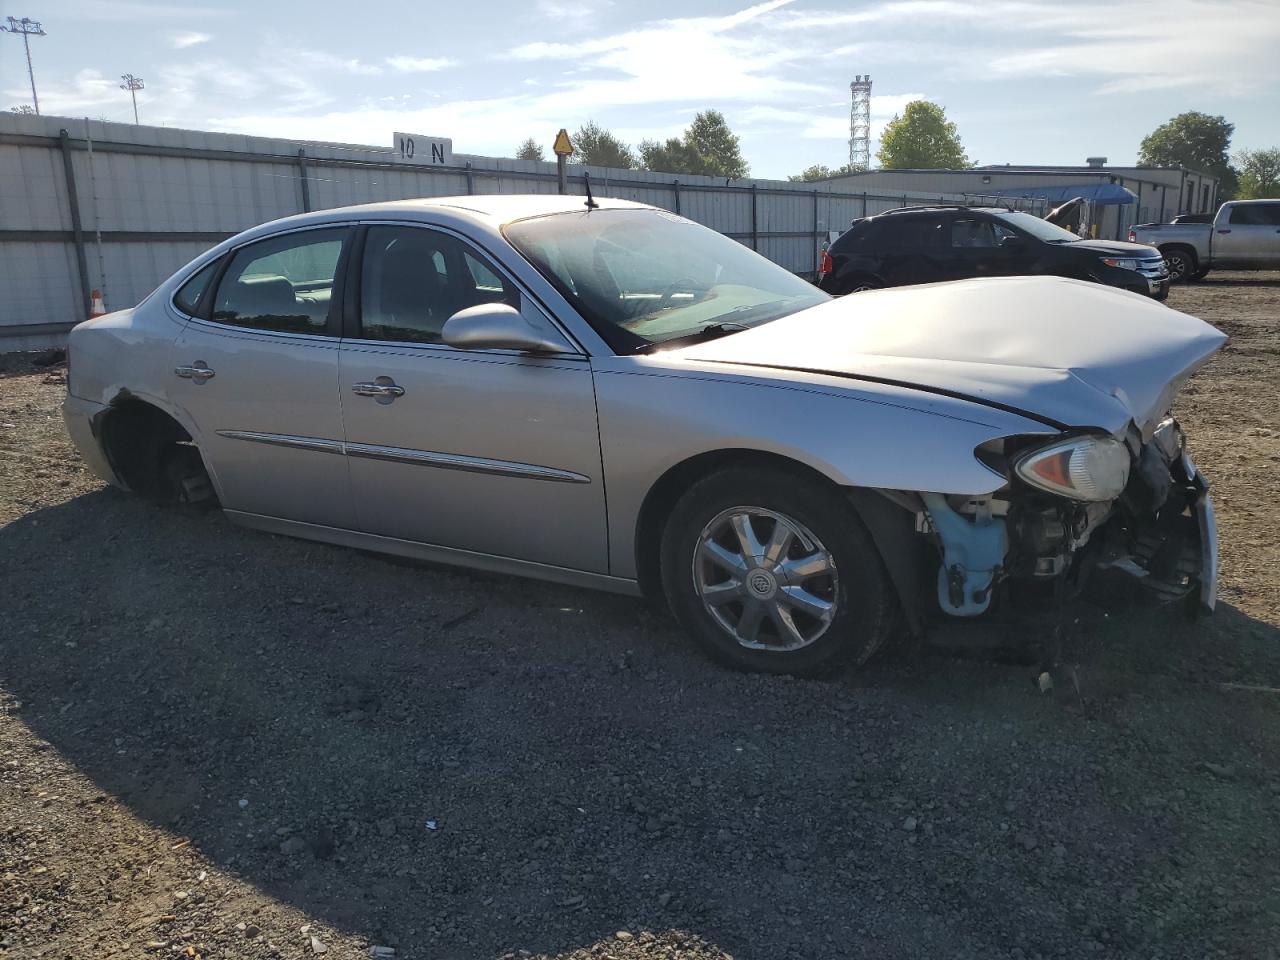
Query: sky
1026	82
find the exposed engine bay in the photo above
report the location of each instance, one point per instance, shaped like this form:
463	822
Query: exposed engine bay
1157	534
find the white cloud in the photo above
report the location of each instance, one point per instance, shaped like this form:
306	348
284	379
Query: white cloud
87	92
130	11
578	11
1223	48
188	38
706	60
1226	54
419	64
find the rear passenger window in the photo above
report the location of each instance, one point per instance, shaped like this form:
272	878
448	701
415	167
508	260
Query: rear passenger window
191	294
911	233
283	284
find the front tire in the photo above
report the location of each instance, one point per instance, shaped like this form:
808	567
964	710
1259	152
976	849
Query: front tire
773	572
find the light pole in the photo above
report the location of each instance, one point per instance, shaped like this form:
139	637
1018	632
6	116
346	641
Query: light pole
28	28
133	85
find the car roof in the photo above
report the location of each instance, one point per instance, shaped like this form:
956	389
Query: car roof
489	211
496	208
936	208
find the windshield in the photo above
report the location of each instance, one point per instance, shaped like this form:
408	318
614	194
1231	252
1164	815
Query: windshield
1040	229
647	277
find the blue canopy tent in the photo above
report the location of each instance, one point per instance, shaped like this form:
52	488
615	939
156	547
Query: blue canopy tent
1099	194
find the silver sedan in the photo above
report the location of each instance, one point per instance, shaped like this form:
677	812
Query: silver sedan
610	395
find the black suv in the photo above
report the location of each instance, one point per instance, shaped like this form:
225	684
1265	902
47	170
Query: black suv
925	244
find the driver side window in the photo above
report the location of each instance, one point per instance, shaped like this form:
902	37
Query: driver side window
414	279
968	234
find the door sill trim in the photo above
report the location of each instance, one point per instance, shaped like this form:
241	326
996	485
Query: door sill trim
451	556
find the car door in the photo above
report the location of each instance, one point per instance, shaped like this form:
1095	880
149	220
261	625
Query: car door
256	372
1250	238
912	249
980	247
489	451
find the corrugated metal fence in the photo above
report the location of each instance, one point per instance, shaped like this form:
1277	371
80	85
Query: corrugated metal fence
90	205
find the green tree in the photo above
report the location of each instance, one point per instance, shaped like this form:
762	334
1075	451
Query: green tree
922	138
1194	140
707	148
595	145
530	150
820	171
670	156
1259	174
716	145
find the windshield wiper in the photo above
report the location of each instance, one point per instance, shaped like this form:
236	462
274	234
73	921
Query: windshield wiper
707	332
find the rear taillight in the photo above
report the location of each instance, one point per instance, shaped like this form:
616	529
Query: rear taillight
1133	237
825	266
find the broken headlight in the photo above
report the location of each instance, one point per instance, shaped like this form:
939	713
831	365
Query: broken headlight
1089	467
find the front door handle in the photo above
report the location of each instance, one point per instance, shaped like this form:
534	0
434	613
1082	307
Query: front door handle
198	371
384	389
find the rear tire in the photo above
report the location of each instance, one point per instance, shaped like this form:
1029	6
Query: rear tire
1181	264
804	592
862	284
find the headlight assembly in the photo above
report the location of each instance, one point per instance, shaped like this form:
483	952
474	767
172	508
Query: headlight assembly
1089	467
1124	263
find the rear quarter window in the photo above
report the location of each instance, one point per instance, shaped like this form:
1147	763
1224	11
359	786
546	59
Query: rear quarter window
191	295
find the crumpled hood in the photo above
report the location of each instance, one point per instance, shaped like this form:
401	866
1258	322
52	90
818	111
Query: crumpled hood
1070	353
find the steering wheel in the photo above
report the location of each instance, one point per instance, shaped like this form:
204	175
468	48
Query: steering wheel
684	283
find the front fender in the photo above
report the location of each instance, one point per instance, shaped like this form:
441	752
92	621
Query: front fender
653	418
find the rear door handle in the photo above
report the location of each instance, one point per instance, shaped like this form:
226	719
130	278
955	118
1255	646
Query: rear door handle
198	371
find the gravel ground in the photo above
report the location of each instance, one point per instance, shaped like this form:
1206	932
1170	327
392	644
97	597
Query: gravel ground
219	743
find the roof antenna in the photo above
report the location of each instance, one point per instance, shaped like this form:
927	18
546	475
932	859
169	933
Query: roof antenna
591	201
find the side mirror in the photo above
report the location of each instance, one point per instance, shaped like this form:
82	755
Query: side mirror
499	326
1013	243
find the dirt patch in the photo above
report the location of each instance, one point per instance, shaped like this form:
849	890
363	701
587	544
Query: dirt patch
218	743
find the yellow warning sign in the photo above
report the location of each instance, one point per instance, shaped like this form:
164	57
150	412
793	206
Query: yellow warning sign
562	145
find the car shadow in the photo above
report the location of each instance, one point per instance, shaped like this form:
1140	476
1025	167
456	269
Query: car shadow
464	764
1235	281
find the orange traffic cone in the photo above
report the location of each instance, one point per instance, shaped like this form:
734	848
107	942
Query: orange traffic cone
97	308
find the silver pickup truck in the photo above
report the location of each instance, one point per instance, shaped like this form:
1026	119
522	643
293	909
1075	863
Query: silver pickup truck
1244	235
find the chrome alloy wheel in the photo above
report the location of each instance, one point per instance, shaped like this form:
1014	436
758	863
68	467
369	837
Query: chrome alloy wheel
1176	263
765	579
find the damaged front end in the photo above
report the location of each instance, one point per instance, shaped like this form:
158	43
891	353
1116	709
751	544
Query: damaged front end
1080	510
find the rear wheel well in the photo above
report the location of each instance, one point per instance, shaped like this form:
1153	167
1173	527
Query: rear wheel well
665	493
1182	248
857	277
151	453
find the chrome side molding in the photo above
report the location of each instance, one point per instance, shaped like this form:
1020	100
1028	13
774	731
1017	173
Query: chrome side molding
428	458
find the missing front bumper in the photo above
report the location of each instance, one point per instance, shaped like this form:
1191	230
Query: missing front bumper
1170	557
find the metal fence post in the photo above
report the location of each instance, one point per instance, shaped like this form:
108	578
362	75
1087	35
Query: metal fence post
864	204
816	241
302	178
471	179
755	222
675	185
77	231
